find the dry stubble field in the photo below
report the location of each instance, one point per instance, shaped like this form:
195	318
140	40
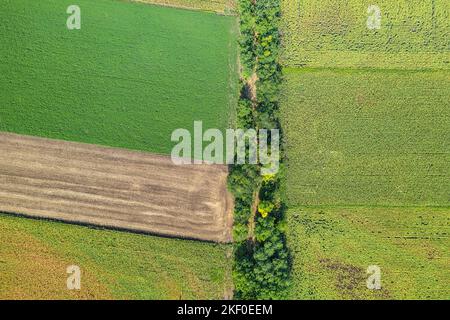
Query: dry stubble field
114	188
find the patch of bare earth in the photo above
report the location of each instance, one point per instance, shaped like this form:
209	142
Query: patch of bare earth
113	187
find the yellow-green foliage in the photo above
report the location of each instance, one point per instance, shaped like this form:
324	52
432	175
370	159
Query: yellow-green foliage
34	256
333	247
366	132
367	137
330	33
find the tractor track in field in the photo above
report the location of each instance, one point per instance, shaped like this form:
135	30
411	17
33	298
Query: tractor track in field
115	188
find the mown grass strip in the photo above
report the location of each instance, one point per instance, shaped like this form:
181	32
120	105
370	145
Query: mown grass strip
220	6
413	34
383	142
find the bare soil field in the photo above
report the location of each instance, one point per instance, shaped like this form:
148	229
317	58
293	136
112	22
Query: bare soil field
218	6
112	187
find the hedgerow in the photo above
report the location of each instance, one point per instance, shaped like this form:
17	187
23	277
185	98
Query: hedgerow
262	261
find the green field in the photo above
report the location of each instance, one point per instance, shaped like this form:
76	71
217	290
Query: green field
128	78
367	182
414	34
366	118
334	246
114	265
367	137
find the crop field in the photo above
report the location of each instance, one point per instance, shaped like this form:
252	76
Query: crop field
367	182
113	187
414	34
114	265
366	118
333	247
131	75
221	6
367	137
128	78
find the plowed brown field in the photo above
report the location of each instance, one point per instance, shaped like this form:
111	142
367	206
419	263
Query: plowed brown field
112	187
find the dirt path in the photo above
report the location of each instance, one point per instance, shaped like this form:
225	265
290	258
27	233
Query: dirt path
114	188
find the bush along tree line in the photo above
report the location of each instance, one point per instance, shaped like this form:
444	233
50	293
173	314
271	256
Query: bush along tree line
261	258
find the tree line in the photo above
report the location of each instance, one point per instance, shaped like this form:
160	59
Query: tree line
261	258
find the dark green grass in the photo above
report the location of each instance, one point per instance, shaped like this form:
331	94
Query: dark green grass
114	264
358	137
128	78
333	247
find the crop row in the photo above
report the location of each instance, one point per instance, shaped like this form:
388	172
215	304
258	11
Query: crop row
334	246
